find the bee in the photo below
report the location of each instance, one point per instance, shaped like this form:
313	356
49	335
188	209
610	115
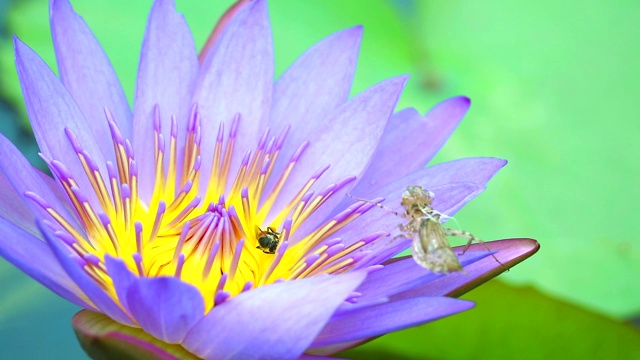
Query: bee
267	240
430	248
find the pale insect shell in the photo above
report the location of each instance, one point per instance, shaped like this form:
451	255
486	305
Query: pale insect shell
431	248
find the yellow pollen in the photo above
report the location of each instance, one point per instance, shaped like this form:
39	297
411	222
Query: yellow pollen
216	240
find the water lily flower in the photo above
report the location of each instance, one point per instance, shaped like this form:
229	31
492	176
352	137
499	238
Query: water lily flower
211	221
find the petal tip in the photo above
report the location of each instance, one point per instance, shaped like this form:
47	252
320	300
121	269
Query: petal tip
259	6
57	4
17	43
355	31
533	245
349	37
166	5
403	78
464	100
502	162
455	107
466	305
60	8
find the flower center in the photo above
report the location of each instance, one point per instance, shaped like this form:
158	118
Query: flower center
218	239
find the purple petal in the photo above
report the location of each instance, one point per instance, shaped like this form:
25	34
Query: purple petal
317	357
510	252
410	141
478	170
13	209
452	197
23	177
51	109
403	274
33	257
57	191
122	279
94	292
314	87
87	73
224	19
336	348
165	307
291	315
316	84
167	73
237	78
470	170
381	319
346	143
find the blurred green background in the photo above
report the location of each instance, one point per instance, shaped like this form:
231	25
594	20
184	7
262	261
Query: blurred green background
554	87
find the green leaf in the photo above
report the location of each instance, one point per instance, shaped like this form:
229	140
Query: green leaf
509	323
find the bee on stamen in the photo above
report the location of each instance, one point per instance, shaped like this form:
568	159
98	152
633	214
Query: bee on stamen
430	248
267	240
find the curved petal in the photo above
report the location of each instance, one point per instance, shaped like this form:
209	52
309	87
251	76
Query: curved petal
13	209
403	274
410	141
454	196
313	87
346	143
478	170
165	307
317	357
336	348
237	78
86	72
52	110
510	252
24	178
122	279
224	19
166	76
57	191
315	84
292	313
93	291
33	257
384	318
